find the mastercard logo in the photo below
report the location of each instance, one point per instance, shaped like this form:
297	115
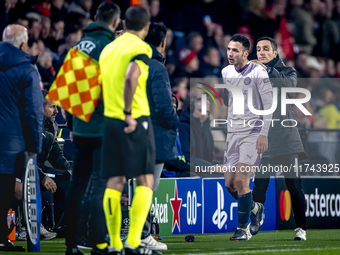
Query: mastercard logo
285	205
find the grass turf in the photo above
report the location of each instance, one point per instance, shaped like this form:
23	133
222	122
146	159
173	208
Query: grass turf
266	242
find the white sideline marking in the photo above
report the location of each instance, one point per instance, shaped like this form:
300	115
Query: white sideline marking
269	246
263	251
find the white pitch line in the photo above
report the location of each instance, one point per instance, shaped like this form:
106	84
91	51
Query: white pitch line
262	251
268	246
54	241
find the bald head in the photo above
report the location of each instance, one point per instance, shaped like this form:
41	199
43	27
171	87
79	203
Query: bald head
15	35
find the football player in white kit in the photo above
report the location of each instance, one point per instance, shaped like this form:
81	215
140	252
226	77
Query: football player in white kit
247	133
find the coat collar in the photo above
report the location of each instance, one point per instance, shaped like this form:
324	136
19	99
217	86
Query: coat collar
276	63
156	54
98	27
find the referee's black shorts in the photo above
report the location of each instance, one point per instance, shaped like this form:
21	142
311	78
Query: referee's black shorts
131	154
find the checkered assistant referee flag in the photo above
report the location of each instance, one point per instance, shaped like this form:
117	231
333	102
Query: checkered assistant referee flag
77	86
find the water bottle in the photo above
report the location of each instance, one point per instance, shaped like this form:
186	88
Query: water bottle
11	224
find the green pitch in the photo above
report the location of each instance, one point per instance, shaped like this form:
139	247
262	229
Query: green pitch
266	242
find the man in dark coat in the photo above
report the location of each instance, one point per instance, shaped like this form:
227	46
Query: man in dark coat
87	141
21	117
163	116
285	147
52	153
195	135
177	167
51	150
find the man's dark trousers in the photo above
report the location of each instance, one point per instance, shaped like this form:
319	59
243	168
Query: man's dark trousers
7	188
293	184
7	185
86	165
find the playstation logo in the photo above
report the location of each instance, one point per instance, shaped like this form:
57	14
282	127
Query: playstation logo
220	217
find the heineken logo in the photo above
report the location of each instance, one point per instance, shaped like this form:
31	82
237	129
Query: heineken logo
160	211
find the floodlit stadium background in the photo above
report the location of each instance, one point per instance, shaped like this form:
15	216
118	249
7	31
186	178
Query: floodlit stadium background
308	35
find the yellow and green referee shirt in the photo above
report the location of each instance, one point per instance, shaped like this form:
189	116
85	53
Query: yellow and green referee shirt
114	61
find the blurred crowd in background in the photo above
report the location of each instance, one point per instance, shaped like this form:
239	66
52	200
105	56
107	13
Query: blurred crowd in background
198	33
307	32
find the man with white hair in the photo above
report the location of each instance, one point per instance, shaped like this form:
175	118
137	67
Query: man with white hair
21	117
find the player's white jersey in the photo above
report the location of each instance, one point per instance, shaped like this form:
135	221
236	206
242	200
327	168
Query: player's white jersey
254	76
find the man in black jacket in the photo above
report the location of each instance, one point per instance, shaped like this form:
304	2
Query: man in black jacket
87	141
195	134
177	167
52	152
285	147
163	116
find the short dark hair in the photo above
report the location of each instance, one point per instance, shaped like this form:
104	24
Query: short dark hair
107	12
44	94
31	41
272	41
157	33
31	22
177	81
136	18
208	49
120	26
191	36
55	20
241	39
71	29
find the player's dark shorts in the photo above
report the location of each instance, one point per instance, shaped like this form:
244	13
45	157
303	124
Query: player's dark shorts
130	154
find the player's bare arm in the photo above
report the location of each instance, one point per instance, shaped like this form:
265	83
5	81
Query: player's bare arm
130	85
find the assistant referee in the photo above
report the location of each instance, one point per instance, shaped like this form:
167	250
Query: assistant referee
128	142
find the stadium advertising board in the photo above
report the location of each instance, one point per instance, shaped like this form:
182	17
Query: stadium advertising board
322	197
177	205
189	192
32	204
189	206
161	206
220	211
220	208
285	218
